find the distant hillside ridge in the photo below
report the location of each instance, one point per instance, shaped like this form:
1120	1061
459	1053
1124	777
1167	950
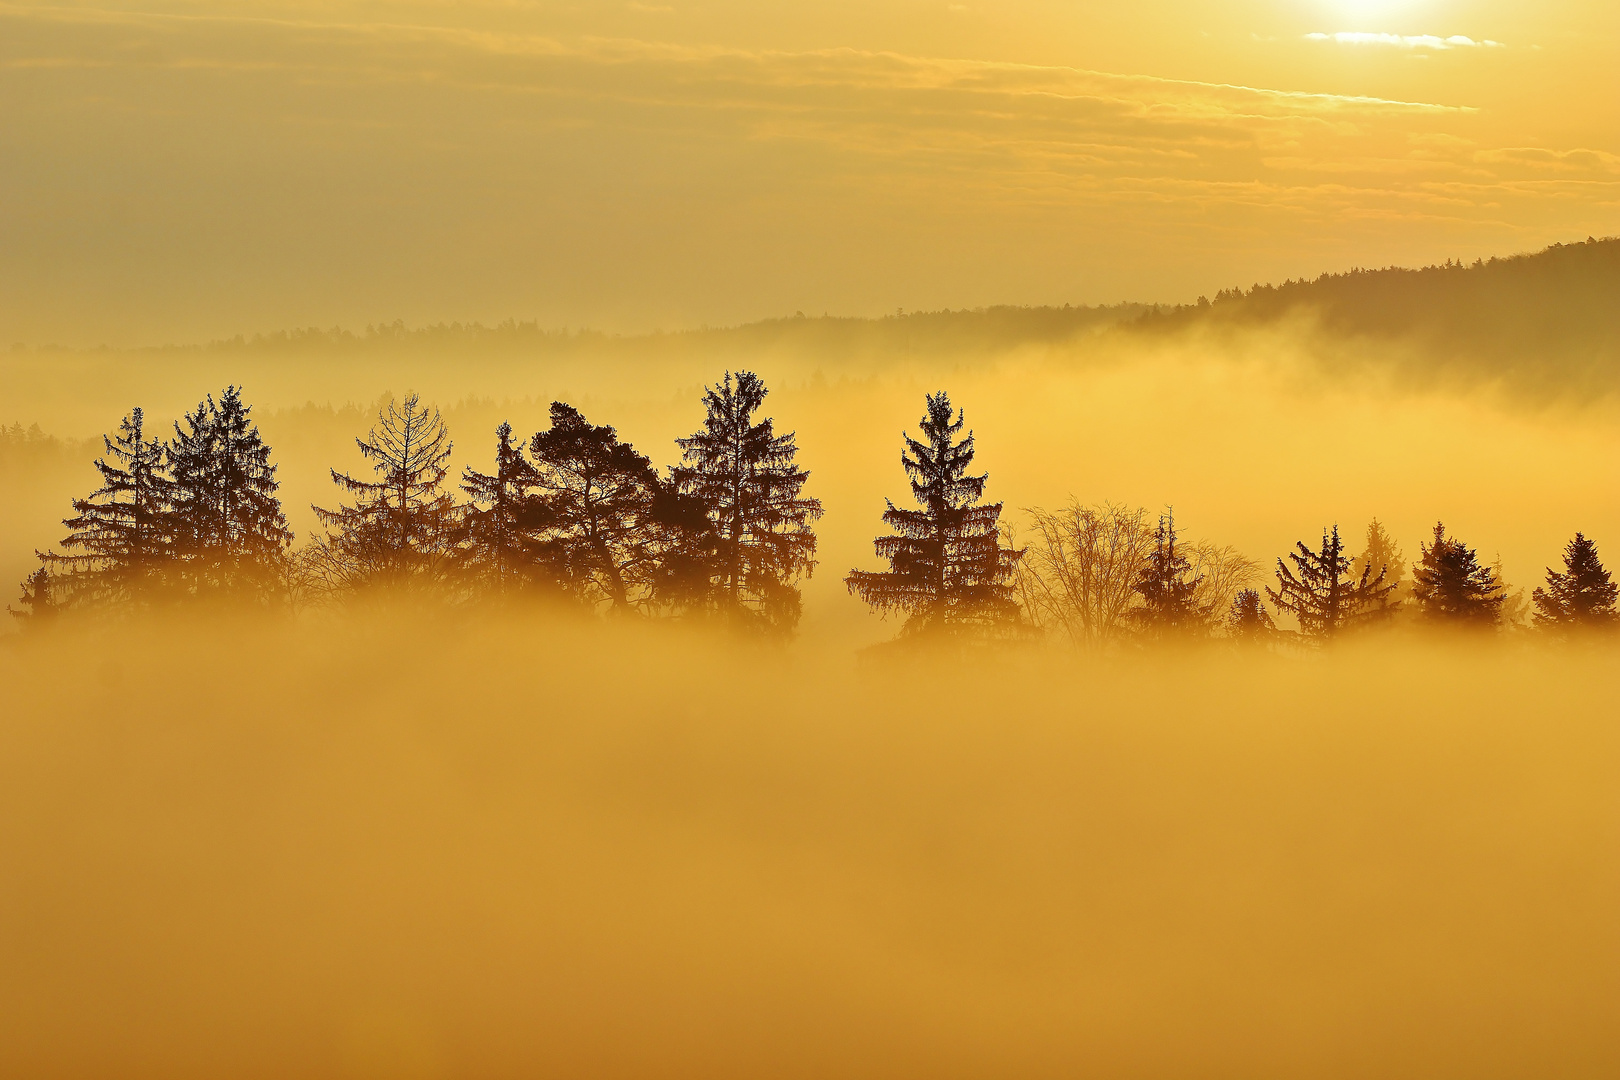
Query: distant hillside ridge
1556	311
1547	320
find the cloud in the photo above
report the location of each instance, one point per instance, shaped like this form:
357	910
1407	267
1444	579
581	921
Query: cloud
1402	41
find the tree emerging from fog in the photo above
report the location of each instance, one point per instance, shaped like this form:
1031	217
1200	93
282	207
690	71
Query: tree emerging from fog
616	535
1319	591
400	530
229	531
1582	596
1451	586
948	571
501	519
1168	587
120	541
751	488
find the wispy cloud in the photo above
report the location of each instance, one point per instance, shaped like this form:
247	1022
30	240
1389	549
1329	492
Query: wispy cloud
1406	41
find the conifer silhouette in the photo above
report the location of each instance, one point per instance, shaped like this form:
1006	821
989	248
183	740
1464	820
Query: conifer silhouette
119	540
1382	553
500	522
1582	596
1168	588
614	528
948	571
39	609
751	489
1248	620
401	527
1320	595
1451	586
230	532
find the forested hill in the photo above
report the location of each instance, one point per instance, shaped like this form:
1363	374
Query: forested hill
1555	312
1549	320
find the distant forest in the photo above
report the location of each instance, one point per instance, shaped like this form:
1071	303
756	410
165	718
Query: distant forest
1546	322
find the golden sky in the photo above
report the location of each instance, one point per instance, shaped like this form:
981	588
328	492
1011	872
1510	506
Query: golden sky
174	171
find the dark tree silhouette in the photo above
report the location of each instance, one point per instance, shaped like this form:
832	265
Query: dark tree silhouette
1580	597
1168	588
401	527
38	610
1451	586
501	521
1248	620
1382	553
230	532
751	489
119	543
948	570
1319	593
614	530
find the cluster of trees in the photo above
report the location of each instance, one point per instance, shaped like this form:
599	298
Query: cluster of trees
575	512
1108	575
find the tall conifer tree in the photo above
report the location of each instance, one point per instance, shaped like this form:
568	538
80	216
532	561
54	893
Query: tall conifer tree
1583	596
230	531
1168	588
1321	595
401	527
947	568
119	543
1450	585
501	546
751	488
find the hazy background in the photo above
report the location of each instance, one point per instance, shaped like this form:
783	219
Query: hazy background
176	171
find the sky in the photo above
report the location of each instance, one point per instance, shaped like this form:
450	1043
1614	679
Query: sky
174	172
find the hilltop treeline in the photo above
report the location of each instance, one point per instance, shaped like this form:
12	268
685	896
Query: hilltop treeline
1539	316
1547	322
576	515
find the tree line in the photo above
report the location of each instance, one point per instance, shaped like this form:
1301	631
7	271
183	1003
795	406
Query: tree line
577	514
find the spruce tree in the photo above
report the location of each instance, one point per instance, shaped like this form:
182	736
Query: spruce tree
1168	588
1451	586
39	609
1321	595
948	571
500	519
602	501
751	489
401	527
1382	553
231	534
1248	620
1581	597
119	544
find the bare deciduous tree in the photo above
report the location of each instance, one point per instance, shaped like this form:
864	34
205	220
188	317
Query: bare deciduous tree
1080	570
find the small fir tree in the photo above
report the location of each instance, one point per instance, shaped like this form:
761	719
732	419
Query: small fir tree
231	534
1248	620
502	517
38	609
1168	588
1451	586
947	568
1321	595
1582	597
401	527
119	542
751	489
